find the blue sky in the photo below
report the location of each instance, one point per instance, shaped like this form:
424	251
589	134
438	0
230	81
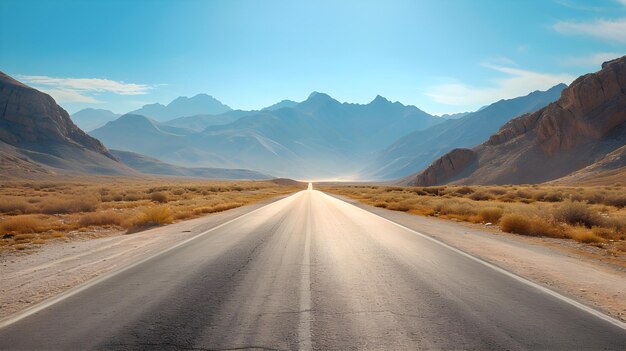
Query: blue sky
442	56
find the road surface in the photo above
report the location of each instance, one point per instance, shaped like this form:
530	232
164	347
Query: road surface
312	272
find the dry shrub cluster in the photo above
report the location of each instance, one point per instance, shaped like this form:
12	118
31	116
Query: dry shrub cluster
586	214
64	209
150	217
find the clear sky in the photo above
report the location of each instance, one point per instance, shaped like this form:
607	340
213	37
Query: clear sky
442	55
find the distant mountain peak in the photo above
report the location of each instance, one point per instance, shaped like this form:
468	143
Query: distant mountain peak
380	100
317	96
184	106
282	104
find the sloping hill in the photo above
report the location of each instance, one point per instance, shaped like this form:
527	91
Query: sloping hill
141	134
417	150
583	127
608	170
91	118
149	165
35	130
199	123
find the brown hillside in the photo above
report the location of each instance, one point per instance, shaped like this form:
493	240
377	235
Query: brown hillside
586	124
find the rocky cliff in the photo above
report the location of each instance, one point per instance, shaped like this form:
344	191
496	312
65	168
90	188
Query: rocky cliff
37	131
584	125
446	168
31	117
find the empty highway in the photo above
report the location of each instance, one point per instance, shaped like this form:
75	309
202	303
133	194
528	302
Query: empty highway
312	272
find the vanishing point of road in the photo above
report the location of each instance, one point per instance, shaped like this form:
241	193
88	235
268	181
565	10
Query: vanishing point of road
312	272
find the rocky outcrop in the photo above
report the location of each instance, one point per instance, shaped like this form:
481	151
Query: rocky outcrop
446	168
584	125
30	117
588	109
38	138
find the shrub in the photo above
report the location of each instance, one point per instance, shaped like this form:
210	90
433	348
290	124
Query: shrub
434	190
524	225
607	233
456	207
577	213
22	224
616	200
150	217
553	196
399	206
584	235
481	196
464	190
497	191
101	218
69	205
159	197
133	197
490	214
15	205
178	191
524	194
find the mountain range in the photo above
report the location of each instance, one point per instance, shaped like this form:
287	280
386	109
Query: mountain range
565	134
201	104
417	150
318	137
38	139
578	137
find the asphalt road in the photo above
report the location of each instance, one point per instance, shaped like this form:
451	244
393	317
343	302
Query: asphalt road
312	272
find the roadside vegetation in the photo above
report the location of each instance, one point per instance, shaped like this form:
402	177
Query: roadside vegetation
590	215
33	213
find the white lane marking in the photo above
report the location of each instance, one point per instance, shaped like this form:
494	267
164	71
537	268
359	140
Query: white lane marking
304	330
542	288
47	303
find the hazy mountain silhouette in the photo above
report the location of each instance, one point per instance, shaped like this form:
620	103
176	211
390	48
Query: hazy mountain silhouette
279	105
585	126
201	104
457	115
149	165
319	137
199	123
91	118
417	150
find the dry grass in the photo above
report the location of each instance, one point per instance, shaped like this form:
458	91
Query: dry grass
592	214
150	217
490	214
101	219
22	224
533	226
159	197
577	213
62	210
69	205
